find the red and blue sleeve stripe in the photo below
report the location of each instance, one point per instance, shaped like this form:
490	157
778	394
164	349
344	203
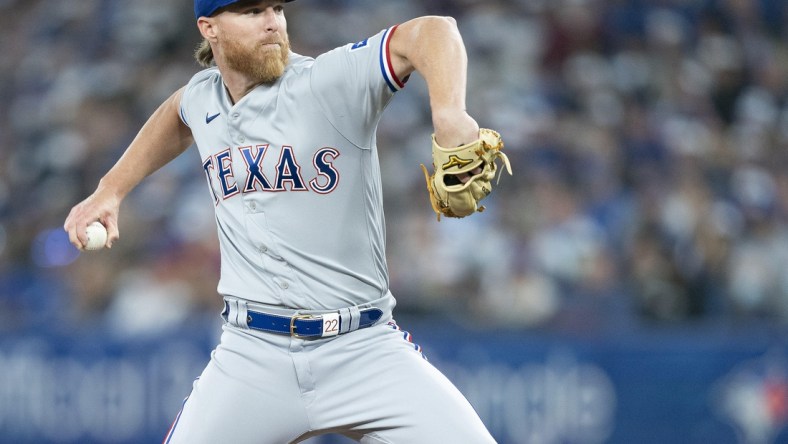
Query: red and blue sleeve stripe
183	117
394	83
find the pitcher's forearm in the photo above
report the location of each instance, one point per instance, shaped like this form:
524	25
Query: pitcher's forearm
434	48
163	138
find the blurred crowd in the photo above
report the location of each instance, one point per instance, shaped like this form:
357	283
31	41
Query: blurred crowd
648	140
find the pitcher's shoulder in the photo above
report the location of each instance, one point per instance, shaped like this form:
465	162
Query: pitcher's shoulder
206	76
299	62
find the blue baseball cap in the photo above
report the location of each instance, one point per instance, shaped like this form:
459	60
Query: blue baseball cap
206	8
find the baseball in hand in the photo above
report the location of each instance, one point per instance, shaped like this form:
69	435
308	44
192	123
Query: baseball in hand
97	236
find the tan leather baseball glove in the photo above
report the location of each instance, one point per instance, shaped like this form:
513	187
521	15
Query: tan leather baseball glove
463	174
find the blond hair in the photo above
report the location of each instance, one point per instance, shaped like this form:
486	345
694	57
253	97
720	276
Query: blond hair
204	54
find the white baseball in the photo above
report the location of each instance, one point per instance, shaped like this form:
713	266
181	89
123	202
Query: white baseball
97	236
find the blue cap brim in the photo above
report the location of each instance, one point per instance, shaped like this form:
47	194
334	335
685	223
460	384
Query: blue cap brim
206	8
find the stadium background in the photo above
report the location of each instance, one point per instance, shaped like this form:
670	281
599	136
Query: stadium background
628	284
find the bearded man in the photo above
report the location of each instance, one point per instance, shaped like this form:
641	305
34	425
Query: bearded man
288	149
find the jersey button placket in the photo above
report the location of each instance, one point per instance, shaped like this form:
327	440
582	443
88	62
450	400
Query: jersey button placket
235	126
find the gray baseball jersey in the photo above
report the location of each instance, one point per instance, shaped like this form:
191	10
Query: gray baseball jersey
293	171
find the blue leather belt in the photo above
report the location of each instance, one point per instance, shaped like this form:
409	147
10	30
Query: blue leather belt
308	326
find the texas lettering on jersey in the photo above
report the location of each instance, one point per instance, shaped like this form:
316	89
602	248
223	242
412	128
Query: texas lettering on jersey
288	174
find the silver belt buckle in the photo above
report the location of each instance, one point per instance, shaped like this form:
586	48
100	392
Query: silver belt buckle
293	320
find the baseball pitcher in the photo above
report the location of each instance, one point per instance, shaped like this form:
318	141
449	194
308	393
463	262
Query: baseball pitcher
288	150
